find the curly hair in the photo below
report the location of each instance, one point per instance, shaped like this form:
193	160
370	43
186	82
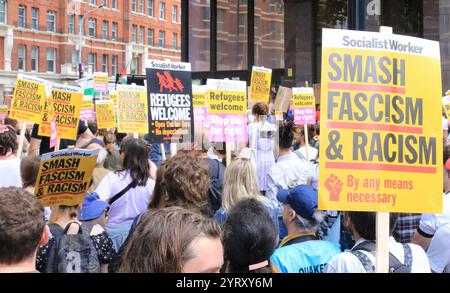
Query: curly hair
162	241
260	109
183	181
8	140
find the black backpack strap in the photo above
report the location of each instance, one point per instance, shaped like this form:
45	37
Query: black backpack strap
68	227
119	195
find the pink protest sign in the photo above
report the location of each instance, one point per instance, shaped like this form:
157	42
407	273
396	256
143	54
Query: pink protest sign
227	110
199	101
303	104
87	112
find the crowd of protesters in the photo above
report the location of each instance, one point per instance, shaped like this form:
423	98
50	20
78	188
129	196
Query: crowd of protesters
195	212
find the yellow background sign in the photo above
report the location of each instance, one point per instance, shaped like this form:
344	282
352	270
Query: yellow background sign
132	109
226	102
381	140
64	176
260	84
66	102
28	99
105	114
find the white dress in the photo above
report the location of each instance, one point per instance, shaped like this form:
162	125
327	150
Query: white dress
10	173
260	135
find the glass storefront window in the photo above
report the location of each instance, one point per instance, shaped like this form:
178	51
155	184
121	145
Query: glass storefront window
232	30
269	33
199	35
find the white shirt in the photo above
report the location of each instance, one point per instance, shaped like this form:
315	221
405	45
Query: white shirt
129	205
287	168
301	152
10	173
444	123
346	262
429	223
439	250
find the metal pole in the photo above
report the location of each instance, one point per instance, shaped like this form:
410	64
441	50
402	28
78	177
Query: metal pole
80	39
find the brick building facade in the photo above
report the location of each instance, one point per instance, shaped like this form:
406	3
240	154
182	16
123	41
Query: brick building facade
41	37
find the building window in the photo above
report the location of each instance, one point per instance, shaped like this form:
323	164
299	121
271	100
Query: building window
35	18
22	17
3	11
51	60
174	40
162	10
141	6
34	58
51	21
134	65
133	5
105	67
91	27
105	3
80	20
114	65
162	39
105	28
142	35
114	4
93	2
221	19
114	31
71	24
92	61
150	37
133	33
21	57
150	7
75	57
174	14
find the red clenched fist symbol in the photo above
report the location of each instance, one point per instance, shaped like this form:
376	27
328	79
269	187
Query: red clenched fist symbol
334	186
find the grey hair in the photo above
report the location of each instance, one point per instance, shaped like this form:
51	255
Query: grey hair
307	225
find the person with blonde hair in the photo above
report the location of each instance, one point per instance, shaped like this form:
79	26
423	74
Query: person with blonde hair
240	182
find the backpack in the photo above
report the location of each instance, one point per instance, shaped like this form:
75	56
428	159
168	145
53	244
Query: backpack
72	253
395	266
215	185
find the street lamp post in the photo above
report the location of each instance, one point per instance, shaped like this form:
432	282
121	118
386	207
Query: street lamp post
80	38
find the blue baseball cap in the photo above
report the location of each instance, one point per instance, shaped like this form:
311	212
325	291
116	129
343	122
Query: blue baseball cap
302	199
92	207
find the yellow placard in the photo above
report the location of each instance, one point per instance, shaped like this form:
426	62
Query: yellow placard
28	99
3	111
260	84
381	140
64	176
113	98
66	101
105	114
226	102
199	98
132	109
100	82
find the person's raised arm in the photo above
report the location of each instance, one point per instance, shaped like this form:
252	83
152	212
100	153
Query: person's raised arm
84	139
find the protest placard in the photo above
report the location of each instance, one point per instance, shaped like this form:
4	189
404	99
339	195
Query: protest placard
169	90
260	84
381	140
66	101
105	114
100	82
132	109
3	112
283	99
64	176
87	112
199	101
227	111
29	98
304	105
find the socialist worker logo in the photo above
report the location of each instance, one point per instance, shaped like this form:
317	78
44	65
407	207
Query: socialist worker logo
166	81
